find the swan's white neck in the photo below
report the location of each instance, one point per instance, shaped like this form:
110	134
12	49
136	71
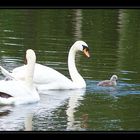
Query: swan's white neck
30	71
75	76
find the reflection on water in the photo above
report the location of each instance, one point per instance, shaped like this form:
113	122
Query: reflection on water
52	118
128	43
113	39
5	111
14	120
28	122
78	24
72	104
29	119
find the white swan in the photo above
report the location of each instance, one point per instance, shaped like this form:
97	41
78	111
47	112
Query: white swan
20	91
46	78
111	82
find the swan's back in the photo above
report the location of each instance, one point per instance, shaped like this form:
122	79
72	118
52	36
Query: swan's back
48	75
45	77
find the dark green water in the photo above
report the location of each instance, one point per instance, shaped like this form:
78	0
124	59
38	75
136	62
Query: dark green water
113	37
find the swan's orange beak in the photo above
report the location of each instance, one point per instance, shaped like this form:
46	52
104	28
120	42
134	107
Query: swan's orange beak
86	52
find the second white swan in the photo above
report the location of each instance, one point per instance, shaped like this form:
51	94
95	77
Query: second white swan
46	78
20	91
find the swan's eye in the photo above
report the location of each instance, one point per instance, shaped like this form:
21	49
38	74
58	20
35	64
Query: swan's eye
85	48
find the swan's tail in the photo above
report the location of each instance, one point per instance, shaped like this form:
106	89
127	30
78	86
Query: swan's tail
6	73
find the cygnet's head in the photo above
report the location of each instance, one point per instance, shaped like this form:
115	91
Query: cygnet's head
114	78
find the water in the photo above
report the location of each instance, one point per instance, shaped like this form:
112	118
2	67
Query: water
113	39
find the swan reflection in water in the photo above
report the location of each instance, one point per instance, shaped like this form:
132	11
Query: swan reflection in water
12	117
53	100
30	117
73	103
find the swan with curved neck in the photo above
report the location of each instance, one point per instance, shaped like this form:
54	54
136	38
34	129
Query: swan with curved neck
20	91
46	78
75	76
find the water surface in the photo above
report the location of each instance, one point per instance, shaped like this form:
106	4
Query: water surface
113	39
